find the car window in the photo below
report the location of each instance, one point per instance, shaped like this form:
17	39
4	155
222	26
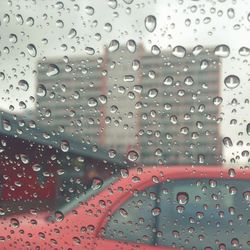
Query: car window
192	214
135	221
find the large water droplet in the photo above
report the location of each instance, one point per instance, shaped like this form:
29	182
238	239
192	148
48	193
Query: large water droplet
179	51
32	50
131	45
227	142
65	146
150	23
232	81
23	85
52	70
222	50
113	46
182	198
132	155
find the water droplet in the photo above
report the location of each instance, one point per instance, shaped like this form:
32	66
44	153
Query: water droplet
135	65
113	46
12	38
123	212
217	100
246	195
227	142
52	70
231	172
168	80
96	183
112	153
232	81
112	4
92	102
132	155
2	76
89	51
204	64
222	50
14	222
182	198
24	158
155	50
65	146
150	23
248	128
244	51
179	51
108	27
197	50
131	46
124	173
156	211
59	216
89	10
41	90
6	125
128	1
230	13
23	85
32	50
189	81
128	78
30	21
152	93
36	167
72	33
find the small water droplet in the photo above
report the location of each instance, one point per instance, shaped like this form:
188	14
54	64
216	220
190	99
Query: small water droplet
131	46
92	102
96	183
23	85
156	211
65	146
168	80
244	51
189	81
59	216
89	10
89	51
72	33
227	142
14	222
113	46
152	93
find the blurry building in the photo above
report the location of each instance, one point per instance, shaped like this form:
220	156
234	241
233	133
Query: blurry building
162	105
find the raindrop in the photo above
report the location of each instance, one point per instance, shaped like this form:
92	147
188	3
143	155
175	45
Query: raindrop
36	167
41	90
168	80
179	51
135	65
96	183
182	198
23	85
65	146
6	125
156	211
131	46
72	33
89	51
248	128
244	51
14	223
189	81
52	70
89	10
222	50
59	216
152	93
12	38
92	102
113	46
227	142
132	155
246	195
150	23
123	212
232	81
32	50
217	100
155	50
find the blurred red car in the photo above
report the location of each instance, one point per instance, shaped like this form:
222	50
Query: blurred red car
144	208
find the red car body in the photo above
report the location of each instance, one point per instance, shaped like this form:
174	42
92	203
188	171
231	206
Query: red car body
82	227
